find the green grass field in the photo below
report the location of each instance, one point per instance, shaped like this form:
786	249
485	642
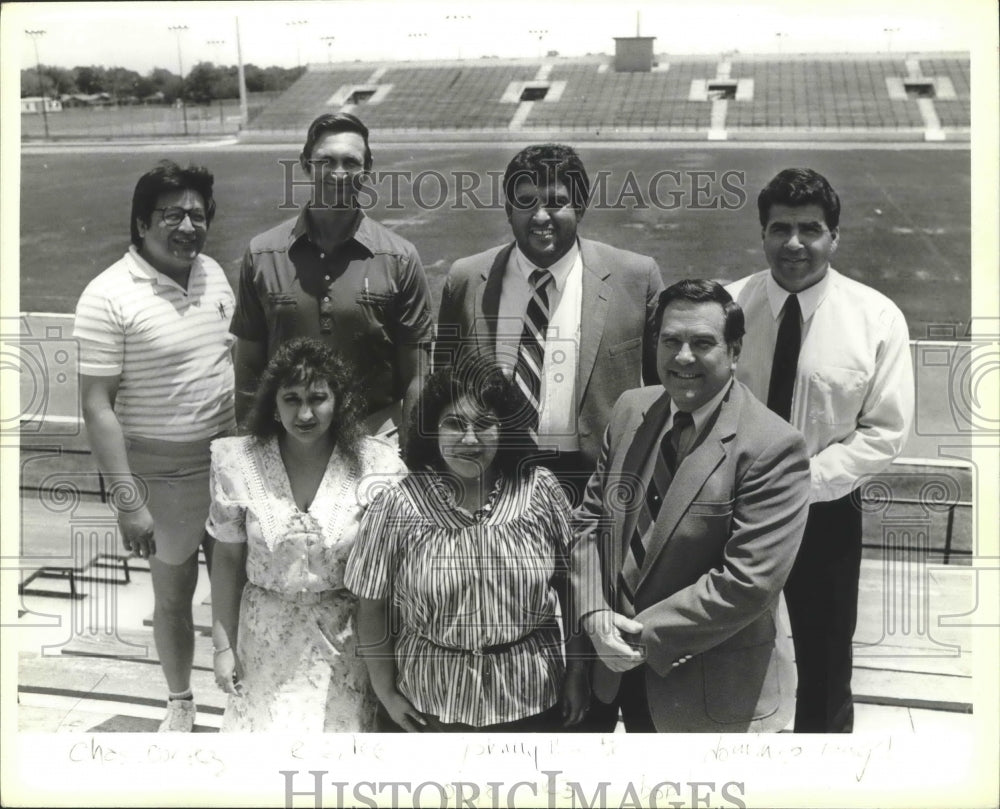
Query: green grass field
905	227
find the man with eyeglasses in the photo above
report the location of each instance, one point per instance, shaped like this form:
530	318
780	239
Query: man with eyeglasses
156	376
334	274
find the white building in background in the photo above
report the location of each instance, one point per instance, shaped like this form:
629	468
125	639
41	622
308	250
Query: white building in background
32	105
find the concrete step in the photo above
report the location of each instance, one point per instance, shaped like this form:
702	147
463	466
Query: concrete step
114	681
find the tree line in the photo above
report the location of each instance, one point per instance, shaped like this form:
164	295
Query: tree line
204	83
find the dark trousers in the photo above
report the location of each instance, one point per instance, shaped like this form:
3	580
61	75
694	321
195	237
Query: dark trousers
633	701
822	598
573	471
549	721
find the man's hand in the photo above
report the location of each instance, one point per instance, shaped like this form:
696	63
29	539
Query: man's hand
137	532
607	632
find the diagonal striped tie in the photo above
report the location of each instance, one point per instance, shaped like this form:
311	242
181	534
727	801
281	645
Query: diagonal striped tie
531	350
664	467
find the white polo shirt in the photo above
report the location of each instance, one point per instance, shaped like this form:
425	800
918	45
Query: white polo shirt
170	346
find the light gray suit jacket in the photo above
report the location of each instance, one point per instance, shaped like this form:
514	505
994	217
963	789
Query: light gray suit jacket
617	333
710	585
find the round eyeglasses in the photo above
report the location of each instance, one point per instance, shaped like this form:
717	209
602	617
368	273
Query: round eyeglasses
454	425
172	217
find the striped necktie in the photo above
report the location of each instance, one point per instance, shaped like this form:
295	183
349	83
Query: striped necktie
665	465
786	359
531	350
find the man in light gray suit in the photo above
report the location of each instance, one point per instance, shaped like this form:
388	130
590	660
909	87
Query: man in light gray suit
687	533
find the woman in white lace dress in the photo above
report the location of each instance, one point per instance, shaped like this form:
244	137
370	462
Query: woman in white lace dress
286	503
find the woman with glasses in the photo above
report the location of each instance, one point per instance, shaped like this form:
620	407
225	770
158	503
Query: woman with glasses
156	378
458	568
286	502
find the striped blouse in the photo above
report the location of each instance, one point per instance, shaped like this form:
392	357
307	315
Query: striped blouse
466	581
170	347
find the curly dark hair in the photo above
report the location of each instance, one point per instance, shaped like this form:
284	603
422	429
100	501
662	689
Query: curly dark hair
546	164
483	382
799	187
302	361
168	176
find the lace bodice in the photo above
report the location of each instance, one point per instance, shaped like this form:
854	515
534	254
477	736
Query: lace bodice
290	550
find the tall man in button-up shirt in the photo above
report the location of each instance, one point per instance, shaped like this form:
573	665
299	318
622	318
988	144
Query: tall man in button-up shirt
849	391
334	274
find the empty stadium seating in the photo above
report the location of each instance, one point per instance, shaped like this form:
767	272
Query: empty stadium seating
808	94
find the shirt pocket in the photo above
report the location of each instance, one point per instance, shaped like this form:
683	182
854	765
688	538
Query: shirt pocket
376	300
836	395
628	345
712	508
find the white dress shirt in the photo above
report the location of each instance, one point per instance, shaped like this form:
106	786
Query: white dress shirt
853	395
557	414
699	417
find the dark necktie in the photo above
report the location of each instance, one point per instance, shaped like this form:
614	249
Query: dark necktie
786	359
668	459
531	350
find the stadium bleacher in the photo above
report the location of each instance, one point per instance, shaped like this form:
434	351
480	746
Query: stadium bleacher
847	94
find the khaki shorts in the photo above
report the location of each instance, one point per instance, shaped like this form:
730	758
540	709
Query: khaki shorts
174	481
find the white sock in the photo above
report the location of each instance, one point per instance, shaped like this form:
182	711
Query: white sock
185	694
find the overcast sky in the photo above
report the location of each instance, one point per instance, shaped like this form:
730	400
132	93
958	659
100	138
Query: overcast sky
137	35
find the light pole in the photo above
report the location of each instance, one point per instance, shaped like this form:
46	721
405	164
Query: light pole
459	18
540	33
418	37
780	35
216	44
329	48
178	30
888	37
292	24
241	78
38	68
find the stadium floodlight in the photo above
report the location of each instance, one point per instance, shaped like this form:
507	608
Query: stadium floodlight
541	33
293	26
178	30
329	48
41	89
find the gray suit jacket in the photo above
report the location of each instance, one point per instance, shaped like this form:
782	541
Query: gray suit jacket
710	585
617	334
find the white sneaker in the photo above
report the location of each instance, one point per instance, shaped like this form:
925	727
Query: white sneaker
180	716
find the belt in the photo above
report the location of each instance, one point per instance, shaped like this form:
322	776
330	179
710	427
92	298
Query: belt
309	597
497	648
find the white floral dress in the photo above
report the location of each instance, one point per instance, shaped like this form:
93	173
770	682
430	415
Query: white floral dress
297	644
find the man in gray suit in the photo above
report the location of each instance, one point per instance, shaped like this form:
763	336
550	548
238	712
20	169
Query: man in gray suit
595	338
687	534
572	320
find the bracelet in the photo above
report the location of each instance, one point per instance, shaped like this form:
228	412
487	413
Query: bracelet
220	651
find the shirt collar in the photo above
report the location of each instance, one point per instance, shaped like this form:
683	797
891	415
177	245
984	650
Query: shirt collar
702	414
560	270
141	269
809	298
362	230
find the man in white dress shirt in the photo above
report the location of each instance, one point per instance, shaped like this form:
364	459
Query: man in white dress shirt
830	355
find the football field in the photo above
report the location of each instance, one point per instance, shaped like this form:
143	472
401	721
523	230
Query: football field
905	230
905	226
